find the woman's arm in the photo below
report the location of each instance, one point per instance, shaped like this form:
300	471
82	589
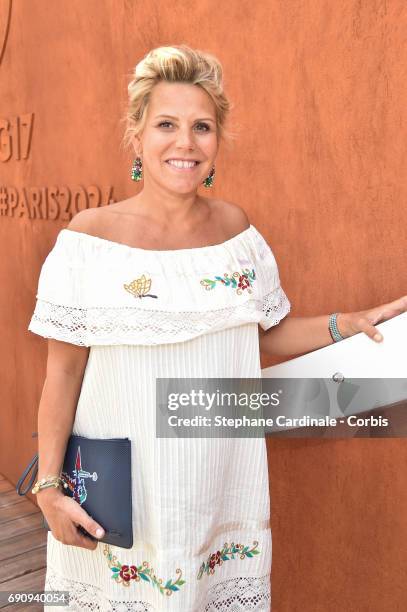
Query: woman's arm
65	369
298	335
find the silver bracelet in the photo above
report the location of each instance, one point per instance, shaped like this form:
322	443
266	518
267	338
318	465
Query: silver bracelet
333	327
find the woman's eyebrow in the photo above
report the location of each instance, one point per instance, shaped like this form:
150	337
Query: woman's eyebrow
201	119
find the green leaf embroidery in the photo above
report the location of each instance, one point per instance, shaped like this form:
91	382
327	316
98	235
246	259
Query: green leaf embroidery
226	554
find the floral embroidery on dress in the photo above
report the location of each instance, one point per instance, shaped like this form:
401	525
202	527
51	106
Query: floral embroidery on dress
240	281
123	574
226	554
140	287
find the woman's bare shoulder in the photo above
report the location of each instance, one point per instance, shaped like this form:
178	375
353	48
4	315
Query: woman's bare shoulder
85	220
93	220
231	216
225	214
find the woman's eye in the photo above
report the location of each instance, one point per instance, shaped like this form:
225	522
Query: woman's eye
205	125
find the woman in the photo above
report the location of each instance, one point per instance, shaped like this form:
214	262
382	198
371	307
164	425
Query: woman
166	284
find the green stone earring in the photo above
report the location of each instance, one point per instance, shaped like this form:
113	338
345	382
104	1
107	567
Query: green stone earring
208	182
137	169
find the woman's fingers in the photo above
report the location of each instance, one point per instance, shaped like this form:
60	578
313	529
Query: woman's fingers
74	537
84	541
387	311
375	318
81	517
366	326
81	521
68	522
397	307
391	309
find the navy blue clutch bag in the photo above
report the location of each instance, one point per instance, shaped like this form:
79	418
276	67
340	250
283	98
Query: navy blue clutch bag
98	475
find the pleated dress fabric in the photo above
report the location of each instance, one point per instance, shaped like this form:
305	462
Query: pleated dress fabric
201	507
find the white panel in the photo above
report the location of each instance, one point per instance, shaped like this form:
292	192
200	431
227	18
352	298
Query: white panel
355	357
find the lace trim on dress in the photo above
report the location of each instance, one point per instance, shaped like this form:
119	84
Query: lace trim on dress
275	307
242	594
127	325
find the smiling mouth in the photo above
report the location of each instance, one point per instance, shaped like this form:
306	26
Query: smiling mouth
183	165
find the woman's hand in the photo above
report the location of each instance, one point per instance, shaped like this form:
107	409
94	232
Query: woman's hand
350	323
64	515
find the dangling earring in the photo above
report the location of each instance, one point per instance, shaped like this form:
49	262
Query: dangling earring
137	169
208	182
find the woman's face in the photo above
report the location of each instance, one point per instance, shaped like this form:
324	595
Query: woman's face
180	125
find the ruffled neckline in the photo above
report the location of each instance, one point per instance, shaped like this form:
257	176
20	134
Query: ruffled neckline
75	235
88	287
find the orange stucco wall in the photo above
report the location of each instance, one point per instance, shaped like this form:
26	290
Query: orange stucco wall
319	94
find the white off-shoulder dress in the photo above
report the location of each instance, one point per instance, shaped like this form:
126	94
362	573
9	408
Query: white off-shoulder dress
201	506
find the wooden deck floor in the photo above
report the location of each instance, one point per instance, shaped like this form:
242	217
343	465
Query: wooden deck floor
22	546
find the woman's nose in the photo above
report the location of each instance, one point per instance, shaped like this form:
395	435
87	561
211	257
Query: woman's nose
185	138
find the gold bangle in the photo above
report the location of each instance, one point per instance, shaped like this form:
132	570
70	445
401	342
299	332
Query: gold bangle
50	478
38	488
50	481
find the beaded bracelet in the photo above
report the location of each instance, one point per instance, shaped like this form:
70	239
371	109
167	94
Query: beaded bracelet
333	327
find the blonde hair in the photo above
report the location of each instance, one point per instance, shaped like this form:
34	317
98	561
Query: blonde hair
182	64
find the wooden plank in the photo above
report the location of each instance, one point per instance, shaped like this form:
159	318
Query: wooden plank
24	563
23	546
17	511
11	497
24	542
20	525
5	485
34	581
29	608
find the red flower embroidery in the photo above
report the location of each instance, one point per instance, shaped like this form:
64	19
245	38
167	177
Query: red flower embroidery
240	281
123	574
243	282
214	559
128	572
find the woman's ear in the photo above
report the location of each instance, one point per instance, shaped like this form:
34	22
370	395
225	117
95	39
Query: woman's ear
136	142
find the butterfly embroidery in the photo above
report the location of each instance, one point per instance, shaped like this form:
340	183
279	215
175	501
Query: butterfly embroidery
139	287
